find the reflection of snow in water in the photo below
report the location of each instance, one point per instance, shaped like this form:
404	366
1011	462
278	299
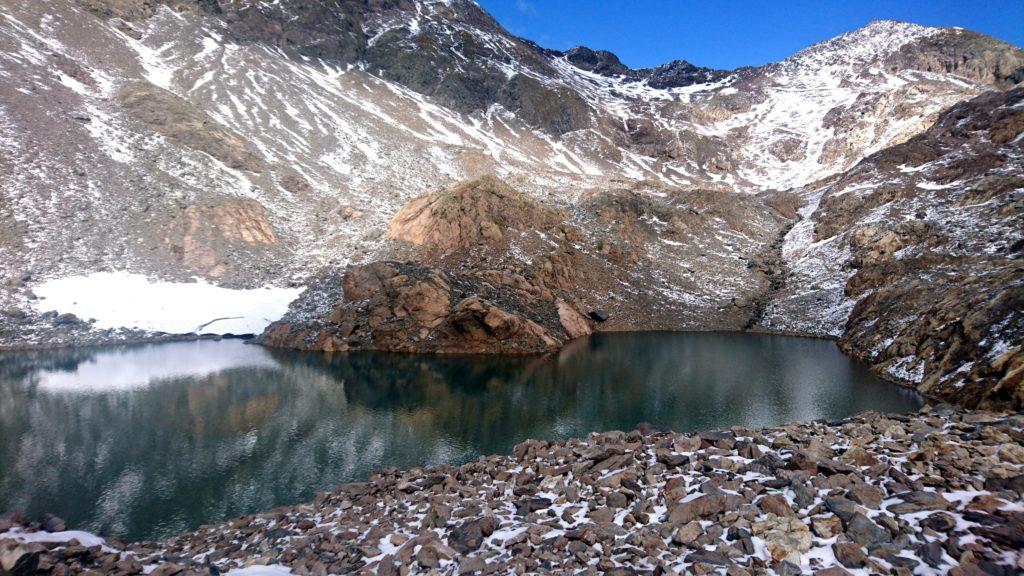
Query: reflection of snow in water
140	366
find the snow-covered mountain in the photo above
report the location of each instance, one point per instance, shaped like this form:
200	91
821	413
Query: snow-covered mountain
252	144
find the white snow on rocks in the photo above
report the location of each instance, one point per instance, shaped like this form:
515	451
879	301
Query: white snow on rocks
124	300
84	538
271	570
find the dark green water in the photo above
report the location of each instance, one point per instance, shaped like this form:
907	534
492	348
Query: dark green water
145	441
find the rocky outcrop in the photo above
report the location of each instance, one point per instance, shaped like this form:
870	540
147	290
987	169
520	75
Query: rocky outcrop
921	243
409	307
202	236
481	211
459	290
937	491
600	62
965	53
674	74
678	73
483	267
181	122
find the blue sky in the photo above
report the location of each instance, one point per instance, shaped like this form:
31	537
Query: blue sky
732	33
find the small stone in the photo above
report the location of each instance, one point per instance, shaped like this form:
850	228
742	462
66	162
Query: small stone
472	565
841	507
931	553
827	526
469	535
1012	453
742	538
860	457
708	557
532	505
427	557
832	571
939	521
167	569
703	506
802	496
688	533
786	568
734	570
917	501
788	540
602	515
850	554
775	504
867	495
387	567
862	530
616	500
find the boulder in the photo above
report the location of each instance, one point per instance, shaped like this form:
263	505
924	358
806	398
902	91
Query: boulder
469	535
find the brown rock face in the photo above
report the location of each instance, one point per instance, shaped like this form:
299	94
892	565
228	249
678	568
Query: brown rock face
408	307
482	267
484	210
201	236
460	289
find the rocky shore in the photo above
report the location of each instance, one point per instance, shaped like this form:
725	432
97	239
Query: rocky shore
939	491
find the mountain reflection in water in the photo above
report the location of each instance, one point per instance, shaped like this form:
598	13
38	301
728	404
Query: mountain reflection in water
145	441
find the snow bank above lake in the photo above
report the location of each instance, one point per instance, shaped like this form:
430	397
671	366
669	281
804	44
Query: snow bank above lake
124	300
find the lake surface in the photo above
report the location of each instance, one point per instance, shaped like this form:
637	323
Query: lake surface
145	441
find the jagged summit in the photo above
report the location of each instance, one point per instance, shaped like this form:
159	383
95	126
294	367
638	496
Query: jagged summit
600	62
674	74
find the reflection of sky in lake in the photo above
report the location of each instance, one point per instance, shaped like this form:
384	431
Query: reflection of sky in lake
149	440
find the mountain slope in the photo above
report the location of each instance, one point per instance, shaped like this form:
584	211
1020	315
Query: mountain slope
251	144
913	258
345	111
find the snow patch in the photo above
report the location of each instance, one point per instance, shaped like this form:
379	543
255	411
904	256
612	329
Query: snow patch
270	570
125	300
84	538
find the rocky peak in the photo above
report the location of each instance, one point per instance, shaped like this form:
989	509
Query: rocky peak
600	62
974	56
898	46
678	73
